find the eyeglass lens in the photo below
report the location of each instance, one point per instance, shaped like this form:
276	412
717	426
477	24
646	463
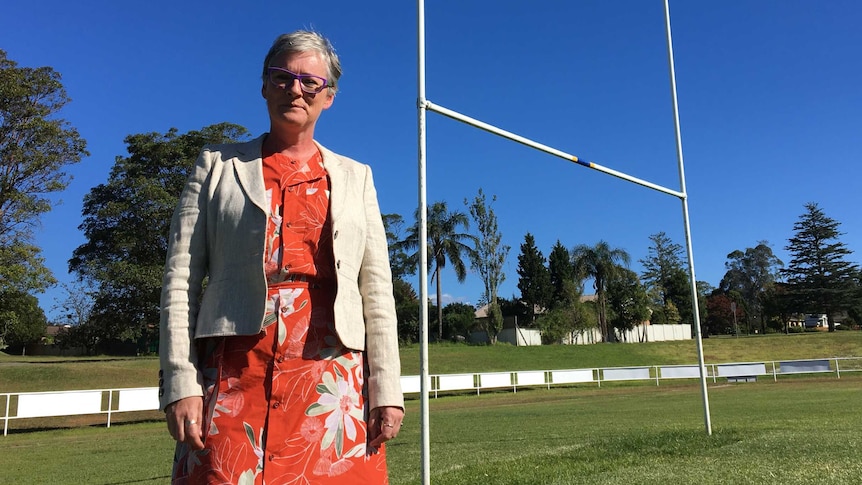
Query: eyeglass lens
282	78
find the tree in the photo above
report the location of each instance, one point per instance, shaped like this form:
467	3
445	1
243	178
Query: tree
35	147
667	280
458	319
85	337
398	259
22	268
752	273
662	261
628	300
567	316
533	278
819	279
76	307
22	322
561	272
445	243
704	289
778	307
513	307
406	311
721	319
601	263
406	301
488	258
855	310
126	224
666	315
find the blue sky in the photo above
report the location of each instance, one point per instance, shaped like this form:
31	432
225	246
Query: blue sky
769	97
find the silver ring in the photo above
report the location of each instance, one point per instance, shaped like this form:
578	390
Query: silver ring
190	422
388	425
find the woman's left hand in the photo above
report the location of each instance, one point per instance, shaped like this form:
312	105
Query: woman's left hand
384	424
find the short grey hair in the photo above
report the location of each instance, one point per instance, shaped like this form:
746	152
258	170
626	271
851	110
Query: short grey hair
306	41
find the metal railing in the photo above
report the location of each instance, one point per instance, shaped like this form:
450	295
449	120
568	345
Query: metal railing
23	405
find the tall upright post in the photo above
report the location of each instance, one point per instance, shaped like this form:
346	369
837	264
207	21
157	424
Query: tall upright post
424	377
684	199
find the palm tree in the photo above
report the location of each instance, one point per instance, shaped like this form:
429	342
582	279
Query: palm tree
445	243
601	263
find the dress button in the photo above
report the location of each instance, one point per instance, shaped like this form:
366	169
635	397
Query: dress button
276	405
280	359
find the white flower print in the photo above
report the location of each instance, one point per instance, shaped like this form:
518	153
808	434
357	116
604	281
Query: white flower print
338	398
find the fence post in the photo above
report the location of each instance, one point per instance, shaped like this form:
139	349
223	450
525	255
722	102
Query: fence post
6	414
110	405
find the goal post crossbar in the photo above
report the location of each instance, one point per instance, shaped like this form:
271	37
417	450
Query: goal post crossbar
545	148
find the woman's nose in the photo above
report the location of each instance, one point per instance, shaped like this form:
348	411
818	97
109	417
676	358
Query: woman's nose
295	86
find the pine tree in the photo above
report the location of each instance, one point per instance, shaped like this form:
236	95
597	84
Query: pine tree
533	278
819	278
561	271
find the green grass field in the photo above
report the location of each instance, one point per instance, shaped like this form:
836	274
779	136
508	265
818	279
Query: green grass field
795	431
52	373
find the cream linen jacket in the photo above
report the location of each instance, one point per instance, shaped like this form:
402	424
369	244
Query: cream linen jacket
218	230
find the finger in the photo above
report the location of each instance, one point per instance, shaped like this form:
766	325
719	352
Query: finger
181	433
175	426
194	435
382	438
373	425
387	431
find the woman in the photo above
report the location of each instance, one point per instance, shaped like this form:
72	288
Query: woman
286	369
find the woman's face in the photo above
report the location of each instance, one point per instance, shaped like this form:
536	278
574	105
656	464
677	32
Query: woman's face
290	108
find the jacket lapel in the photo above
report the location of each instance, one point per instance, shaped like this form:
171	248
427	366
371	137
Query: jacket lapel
337	180
249	170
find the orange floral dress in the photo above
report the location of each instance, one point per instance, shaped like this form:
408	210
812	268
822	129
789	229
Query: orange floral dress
287	405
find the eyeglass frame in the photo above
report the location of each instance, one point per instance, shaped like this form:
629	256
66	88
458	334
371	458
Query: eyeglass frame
296	77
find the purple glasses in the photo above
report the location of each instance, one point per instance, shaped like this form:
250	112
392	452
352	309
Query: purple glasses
283	79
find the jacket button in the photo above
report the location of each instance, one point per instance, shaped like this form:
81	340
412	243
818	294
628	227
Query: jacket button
161	373
161	392
335	234
338	264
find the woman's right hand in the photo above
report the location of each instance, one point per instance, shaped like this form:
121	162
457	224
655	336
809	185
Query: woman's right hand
185	421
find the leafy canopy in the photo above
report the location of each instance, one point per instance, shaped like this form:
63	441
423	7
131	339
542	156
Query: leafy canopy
126	223
35	147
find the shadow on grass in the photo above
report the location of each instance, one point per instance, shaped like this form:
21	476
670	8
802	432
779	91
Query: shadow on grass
73	426
159	479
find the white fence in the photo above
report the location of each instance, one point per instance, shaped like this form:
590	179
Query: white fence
110	401
641	333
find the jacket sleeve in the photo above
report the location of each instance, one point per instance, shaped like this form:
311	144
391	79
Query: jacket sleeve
378	306
185	268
